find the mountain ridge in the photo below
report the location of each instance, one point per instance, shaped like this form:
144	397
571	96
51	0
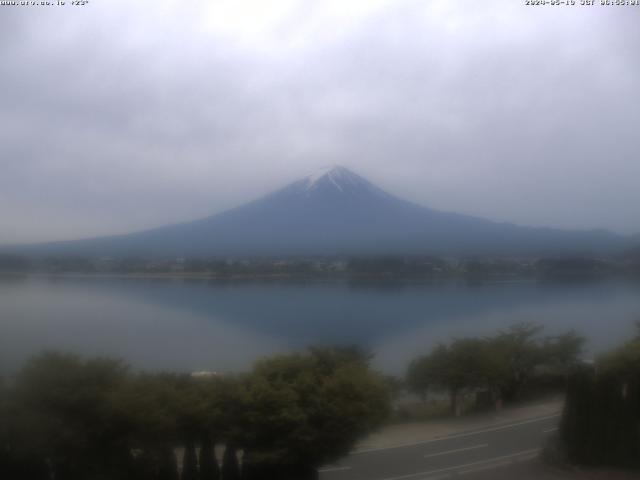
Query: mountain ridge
337	212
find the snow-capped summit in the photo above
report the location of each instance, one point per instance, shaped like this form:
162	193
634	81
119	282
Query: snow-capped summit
332	183
337	176
324	171
336	211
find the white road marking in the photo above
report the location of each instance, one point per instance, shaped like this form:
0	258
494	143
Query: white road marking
484	468
502	463
474	447
333	469
458	435
548	430
495	460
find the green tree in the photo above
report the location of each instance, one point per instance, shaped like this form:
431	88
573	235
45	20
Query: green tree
468	364
69	418
519	350
419	376
576	423
500	366
623	362
601	421
465	364
563	351
64	414
167	465
190	462
230	467
209	469
305	410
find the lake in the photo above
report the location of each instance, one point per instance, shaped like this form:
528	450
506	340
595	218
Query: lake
195	324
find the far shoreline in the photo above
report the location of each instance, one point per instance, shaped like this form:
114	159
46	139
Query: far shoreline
332	277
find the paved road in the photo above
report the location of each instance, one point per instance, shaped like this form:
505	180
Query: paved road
495	452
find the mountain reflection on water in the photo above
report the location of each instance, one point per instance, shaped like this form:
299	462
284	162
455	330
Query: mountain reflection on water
194	324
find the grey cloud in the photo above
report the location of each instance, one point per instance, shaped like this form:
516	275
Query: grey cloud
116	119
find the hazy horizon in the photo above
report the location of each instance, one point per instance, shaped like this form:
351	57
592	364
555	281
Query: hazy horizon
312	178
120	117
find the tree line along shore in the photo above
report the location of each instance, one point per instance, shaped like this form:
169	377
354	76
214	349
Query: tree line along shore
72	418
340	266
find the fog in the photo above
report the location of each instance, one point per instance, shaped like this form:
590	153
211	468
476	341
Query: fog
118	116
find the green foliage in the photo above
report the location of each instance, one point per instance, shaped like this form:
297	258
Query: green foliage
309	409
575	425
62	410
230	467
167	466
69	418
466	363
209	469
501	365
601	421
624	362
519	351
418	377
563	351
190	462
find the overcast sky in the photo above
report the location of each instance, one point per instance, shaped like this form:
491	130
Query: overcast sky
119	115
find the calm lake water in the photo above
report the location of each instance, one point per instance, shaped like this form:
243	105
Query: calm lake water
224	326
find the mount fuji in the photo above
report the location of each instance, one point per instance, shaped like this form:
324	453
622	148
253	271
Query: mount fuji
337	212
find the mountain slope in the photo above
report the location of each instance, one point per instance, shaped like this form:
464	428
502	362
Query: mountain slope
339	212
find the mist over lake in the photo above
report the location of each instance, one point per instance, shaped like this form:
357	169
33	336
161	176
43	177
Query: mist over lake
191	325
